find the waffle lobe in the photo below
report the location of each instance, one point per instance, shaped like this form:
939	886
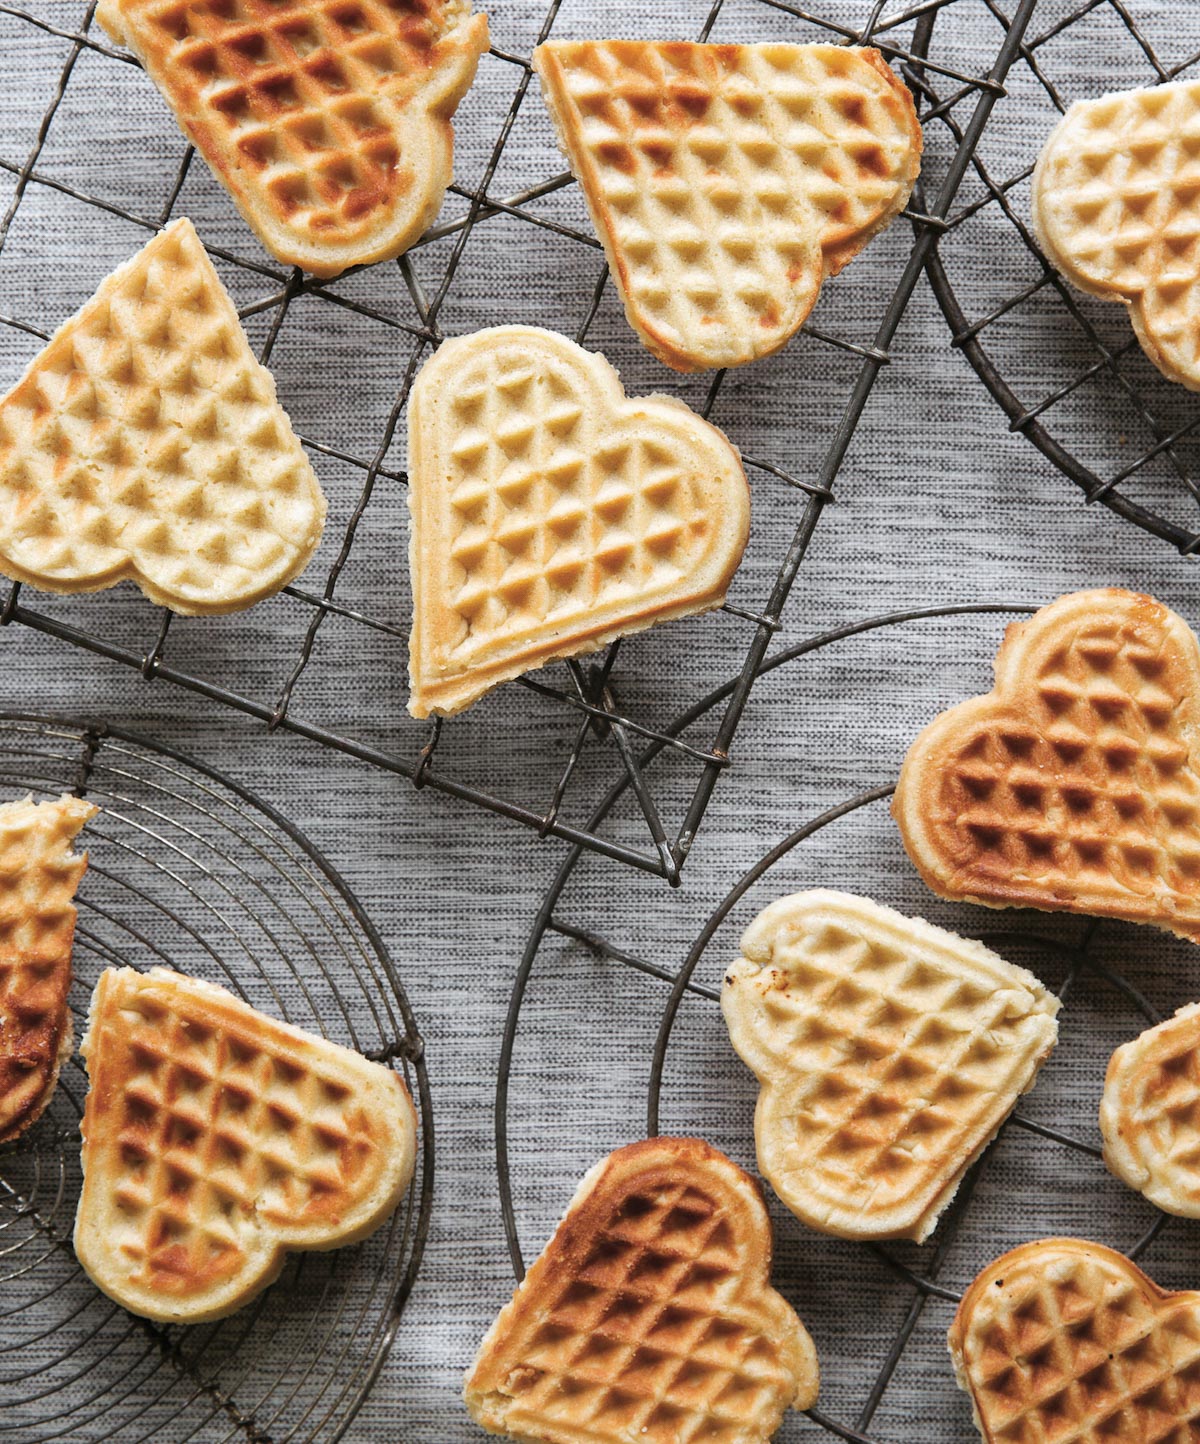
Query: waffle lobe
727	181
551	513
648	1316
327	120
216	1138
146	443
1074	785
38	877
1116	207
889	1054
1063	1340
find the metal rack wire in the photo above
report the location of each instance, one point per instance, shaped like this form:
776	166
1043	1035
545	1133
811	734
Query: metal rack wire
190	871
1098	398
913	1290
588	710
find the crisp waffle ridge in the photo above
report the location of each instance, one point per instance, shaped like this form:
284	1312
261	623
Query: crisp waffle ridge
648	1316
39	875
327	120
1116	206
889	1053
1150	1113
146	443
1072	786
727	181
551	513
1066	1341
215	1138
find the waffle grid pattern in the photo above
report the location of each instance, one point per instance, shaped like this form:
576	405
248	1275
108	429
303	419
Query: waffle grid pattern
585	697
922	1053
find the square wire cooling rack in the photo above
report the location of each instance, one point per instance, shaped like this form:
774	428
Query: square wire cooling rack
512	245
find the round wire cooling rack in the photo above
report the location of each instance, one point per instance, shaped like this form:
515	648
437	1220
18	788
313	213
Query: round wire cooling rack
558	720
878	1312
1066	367
190	871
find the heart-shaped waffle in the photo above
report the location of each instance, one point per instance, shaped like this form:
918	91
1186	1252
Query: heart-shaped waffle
551	514
215	1138
727	181
1116	207
145	443
1074	785
1069	1342
889	1053
1150	1113
38	877
649	1315
327	120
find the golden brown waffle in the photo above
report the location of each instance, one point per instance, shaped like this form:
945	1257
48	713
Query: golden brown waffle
327	120
727	181
38	877
551	514
649	1316
1150	1113
1116	207
145	443
1074	785
1066	1342
889	1053
215	1138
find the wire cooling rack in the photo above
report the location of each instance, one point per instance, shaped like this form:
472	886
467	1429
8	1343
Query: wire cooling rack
878	1312
189	871
573	721
1065	366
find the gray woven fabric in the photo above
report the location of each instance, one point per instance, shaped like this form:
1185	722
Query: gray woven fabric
937	504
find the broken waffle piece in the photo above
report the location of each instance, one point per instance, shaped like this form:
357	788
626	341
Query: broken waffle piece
328	121
726	182
889	1053
1074	785
145	443
216	1138
1114	203
1067	1340
1150	1113
39	875
649	1315
552	514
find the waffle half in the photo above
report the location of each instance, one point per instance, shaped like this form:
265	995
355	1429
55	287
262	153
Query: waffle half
216	1138
551	514
1116	207
1150	1113
145	443
727	181
327	120
38	877
1074	785
889	1054
649	1316
1062	1340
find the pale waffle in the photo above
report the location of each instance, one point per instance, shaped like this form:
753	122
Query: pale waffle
1150	1113
1074	785
215	1139
1067	1342
145	443
727	181
1116	207
889	1053
327	120
649	1315
38	877
551	514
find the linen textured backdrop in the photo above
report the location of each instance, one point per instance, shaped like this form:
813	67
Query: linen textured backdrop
938	503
